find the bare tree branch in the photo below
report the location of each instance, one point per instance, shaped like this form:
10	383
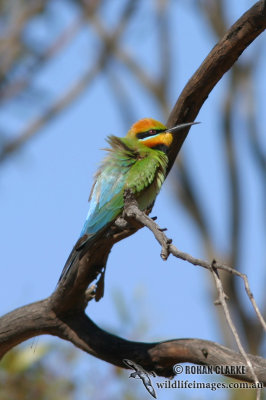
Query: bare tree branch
62	315
240	91
37	318
131	210
216	64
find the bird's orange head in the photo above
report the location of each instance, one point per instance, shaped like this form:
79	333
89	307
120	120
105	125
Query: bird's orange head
154	134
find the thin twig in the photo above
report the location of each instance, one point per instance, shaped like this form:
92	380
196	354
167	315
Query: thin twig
131	210
222	301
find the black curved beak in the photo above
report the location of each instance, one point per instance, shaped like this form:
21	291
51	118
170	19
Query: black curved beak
180	126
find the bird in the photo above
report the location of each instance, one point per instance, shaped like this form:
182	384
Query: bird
142	374
138	163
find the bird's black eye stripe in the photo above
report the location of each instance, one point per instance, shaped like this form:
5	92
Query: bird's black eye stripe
151	132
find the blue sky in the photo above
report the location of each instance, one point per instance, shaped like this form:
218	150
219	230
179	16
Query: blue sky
45	187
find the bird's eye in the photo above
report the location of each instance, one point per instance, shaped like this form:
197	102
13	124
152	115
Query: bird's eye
152	132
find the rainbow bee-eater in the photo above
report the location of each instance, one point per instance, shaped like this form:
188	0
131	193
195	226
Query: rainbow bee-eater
137	162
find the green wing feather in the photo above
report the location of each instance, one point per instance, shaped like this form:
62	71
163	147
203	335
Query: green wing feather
146	175
129	165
